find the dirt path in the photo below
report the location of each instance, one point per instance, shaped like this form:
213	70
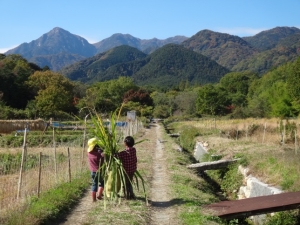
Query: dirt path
161	211
79	214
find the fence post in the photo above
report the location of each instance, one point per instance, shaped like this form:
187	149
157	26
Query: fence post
84	140
22	164
69	162
54	145
296	144
40	172
283	136
263	140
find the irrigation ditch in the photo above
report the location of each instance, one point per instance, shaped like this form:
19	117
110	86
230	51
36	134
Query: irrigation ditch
206	150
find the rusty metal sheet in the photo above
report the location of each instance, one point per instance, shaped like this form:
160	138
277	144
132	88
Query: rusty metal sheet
256	205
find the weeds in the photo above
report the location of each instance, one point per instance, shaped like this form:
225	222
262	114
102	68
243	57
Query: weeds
51	204
259	149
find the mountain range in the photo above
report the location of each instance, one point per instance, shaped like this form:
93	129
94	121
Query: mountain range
175	57
165	67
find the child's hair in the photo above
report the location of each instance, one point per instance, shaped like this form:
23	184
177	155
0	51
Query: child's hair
129	141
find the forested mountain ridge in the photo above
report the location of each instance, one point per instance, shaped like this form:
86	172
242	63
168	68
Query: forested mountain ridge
225	49
165	67
268	39
87	69
265	50
146	46
172	64
59	48
260	53
286	50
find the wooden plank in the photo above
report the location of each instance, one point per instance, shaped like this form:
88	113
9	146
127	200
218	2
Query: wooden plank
255	206
212	165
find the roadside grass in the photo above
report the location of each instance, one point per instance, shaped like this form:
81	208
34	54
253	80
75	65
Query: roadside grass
263	153
190	192
50	205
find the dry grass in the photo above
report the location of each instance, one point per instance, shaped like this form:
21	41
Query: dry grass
270	160
7	126
30	178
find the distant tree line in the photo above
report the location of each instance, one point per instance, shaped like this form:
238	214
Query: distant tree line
28	91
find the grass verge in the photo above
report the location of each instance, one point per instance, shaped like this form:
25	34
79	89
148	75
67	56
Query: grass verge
51	204
190	192
270	161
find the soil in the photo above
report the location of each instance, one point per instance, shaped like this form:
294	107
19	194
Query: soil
161	211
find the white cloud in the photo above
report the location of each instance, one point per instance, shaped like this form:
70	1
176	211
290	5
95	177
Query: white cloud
242	31
90	40
3	50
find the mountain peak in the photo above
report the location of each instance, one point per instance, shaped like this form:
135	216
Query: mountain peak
268	39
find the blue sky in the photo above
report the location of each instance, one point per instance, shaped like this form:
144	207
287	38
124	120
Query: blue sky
24	21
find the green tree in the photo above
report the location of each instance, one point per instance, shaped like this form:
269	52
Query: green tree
54	93
280	101
212	100
237	84
269	96
164	103
141	110
186	102
293	84
14	72
107	96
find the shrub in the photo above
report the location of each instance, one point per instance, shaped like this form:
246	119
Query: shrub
187	138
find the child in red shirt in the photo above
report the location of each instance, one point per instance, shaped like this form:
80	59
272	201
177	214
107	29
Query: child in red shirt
129	161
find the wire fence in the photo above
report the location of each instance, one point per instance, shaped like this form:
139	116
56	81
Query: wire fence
37	170
38	173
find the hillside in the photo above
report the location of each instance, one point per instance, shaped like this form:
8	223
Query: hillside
286	50
268	39
259	53
87	69
171	64
56	61
165	67
59	48
145	45
227	50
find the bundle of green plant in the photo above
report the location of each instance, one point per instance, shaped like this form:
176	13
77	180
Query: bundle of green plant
112	170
